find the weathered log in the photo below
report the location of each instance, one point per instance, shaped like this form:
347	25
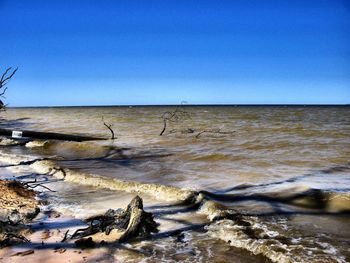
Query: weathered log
141	223
25	134
133	222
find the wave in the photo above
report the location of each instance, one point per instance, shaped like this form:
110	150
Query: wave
270	239
297	195
68	149
217	157
273	242
49	167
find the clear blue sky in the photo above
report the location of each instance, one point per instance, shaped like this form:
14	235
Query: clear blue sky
163	52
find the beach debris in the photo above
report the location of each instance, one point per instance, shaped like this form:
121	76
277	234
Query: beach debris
12	233
23	253
176	115
25	134
85	243
46	234
51	213
60	250
65	236
214	131
131	222
199	132
180	115
109	127
33	184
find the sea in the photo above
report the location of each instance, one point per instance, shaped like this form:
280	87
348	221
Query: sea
225	183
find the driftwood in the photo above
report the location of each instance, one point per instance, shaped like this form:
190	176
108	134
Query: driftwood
200	132
33	184
109	127
141	223
47	135
12	233
215	131
133	222
173	116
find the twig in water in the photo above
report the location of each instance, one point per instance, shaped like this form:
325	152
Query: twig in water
33	184
109	127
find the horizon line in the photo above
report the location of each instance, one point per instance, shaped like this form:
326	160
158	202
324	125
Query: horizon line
189	105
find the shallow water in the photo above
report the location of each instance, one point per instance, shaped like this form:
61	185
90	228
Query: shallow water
286	169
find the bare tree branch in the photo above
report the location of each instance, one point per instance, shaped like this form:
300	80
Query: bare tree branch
65	236
173	116
109	127
4	74
5	78
33	184
3	92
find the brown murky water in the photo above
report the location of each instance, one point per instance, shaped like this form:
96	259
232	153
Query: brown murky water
285	169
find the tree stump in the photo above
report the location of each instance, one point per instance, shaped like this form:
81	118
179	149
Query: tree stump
132	222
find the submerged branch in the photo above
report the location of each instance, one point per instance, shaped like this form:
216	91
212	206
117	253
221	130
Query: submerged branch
173	116
164	127
218	131
109	127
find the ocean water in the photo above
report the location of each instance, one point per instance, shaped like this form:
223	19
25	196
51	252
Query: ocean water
284	170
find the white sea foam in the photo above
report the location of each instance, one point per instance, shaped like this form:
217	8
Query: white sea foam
257	239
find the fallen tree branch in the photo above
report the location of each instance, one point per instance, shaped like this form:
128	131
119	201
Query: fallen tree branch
30	185
65	236
218	131
109	127
173	116
20	237
200	132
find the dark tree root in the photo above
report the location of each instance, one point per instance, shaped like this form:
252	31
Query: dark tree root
141	223
65	236
133	221
11	233
33	184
